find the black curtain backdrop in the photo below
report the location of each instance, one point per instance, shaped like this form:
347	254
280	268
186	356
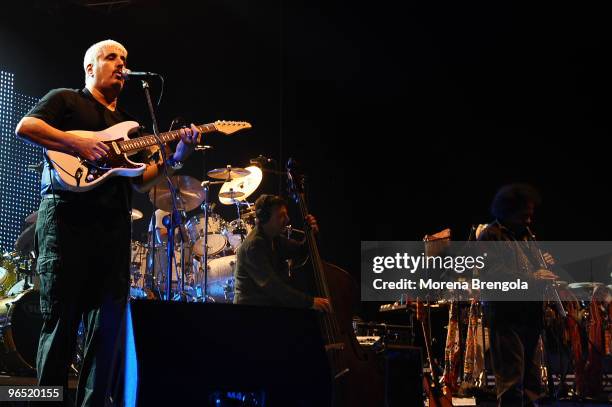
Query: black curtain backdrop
280	66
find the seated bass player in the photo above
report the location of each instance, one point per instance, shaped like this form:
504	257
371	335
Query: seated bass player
260	276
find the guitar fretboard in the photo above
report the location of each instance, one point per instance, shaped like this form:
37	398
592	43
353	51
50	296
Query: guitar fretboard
142	142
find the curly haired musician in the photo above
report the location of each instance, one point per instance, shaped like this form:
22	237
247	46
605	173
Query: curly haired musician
515	327
260	278
83	238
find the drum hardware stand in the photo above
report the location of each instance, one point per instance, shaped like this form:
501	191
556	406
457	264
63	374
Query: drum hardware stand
171	222
228	288
153	246
241	229
182	279
28	274
206	208
181	294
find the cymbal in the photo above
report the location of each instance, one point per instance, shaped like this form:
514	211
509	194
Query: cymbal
136	214
189	193
231	194
246	185
32	217
228	173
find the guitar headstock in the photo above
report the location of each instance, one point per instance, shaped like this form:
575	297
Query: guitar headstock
419	310
229	127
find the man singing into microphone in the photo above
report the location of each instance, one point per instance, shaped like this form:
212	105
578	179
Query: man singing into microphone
83	239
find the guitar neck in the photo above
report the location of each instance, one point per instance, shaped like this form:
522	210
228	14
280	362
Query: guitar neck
140	143
427	340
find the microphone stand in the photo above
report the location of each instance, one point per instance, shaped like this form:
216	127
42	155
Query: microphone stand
173	216
153	245
550	287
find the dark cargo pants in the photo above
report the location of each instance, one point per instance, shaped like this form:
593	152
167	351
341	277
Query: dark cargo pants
83	265
515	329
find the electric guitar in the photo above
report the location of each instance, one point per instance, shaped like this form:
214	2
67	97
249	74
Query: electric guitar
77	174
436	394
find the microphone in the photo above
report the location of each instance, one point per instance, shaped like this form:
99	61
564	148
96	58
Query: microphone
127	74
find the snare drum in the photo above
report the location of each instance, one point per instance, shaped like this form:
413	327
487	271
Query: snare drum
216	240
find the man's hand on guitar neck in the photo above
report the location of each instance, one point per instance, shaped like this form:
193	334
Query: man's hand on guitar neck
189	138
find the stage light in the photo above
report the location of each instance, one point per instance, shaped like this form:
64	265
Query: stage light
19	187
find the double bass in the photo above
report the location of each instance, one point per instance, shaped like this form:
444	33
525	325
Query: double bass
357	374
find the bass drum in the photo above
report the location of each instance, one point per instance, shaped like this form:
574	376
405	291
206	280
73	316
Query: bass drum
220	278
20	325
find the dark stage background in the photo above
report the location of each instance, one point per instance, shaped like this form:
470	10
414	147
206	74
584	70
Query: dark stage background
279	66
408	119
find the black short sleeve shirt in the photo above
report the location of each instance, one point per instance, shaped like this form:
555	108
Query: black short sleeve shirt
76	109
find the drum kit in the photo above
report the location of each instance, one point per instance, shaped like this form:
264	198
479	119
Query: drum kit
202	237
20	316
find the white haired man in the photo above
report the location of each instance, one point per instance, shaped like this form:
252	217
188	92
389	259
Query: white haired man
83	239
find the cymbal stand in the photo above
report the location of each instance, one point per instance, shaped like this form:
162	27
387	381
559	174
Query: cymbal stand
241	230
206	209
